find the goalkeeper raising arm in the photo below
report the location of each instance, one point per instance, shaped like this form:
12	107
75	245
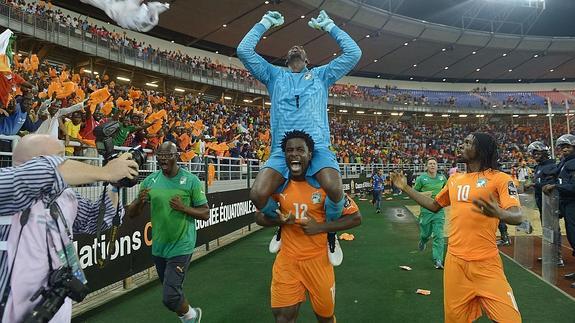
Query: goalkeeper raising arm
299	102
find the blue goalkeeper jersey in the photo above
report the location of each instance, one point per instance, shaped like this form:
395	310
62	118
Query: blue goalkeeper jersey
299	100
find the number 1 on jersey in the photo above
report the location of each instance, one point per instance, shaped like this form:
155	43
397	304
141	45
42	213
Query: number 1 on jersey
463	192
300	211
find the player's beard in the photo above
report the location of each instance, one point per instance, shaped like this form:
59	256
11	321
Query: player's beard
295	58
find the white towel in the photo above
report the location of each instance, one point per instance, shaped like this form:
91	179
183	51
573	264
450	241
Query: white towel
131	14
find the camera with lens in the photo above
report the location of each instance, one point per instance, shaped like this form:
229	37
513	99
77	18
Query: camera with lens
105	134
61	284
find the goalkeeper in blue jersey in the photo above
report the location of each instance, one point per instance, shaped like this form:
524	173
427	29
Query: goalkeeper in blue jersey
299	102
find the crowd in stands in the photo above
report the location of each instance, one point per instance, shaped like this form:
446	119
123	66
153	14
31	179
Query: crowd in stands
147	118
57	106
477	98
396	142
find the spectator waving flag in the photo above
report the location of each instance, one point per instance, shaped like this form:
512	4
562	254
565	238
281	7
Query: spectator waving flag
6	41
131	14
8	80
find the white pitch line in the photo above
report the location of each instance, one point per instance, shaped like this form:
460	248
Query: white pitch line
539	277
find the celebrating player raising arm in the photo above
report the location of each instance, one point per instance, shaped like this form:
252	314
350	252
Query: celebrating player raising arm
302	263
299	102
473	277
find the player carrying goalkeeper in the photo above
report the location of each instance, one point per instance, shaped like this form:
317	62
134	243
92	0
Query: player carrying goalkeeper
299	102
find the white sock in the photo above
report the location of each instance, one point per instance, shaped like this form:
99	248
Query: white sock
191	314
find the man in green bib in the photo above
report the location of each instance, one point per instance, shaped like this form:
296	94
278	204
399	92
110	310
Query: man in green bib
429	222
176	199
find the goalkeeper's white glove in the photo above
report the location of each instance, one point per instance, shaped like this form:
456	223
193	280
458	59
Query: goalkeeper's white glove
322	22
272	19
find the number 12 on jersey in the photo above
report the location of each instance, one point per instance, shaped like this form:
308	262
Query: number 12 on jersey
300	211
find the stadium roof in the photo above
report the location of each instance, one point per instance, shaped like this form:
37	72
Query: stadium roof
394	46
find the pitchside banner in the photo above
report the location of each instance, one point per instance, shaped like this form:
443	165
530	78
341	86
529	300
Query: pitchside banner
355	185
229	211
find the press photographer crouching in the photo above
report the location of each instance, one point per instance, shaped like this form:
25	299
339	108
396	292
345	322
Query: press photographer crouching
41	263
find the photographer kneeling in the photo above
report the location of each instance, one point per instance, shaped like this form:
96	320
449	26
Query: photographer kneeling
42	264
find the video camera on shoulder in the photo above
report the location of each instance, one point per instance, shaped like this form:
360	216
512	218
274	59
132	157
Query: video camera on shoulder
105	134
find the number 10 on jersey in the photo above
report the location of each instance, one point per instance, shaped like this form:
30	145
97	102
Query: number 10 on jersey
463	192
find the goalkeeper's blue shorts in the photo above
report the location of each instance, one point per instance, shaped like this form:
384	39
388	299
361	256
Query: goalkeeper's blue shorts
321	158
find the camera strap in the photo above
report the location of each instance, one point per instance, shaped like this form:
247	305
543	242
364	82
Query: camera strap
70	257
99	222
111	238
23	220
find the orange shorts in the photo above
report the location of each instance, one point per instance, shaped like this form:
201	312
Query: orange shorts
470	286
292	278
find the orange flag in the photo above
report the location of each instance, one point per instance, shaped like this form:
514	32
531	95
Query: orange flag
156	115
125	105
26	64
220	147
107	108
99	96
187	156
64	76
197	128
66	89
155	127
35	62
53	87
211	174
134	94
80	95
88	142
76	78
184	141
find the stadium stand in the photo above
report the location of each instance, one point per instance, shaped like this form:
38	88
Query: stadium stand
222	129
471	99
201	127
224	132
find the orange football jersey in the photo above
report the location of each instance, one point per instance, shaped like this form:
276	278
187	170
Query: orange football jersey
472	234
303	201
